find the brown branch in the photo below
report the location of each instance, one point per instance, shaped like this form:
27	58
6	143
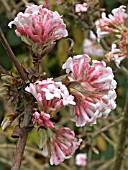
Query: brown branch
22	139
7	162
106	165
116	122
3	71
25	2
12	56
102	41
27	148
122	139
104	45
19	151
7	7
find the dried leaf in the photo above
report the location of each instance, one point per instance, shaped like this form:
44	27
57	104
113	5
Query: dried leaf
101	143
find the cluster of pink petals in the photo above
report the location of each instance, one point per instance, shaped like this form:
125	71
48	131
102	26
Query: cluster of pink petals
38	25
93	88
61	143
43	119
51	96
79	8
113	23
81	159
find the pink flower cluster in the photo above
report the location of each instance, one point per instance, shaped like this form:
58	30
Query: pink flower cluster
90	90
79	8
38	26
81	159
113	23
93	88
60	144
51	96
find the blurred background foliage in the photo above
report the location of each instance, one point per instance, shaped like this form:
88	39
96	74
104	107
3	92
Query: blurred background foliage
99	147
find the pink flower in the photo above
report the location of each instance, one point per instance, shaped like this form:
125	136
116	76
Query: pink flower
39	27
113	23
81	159
43	119
60	144
81	7
51	96
93	88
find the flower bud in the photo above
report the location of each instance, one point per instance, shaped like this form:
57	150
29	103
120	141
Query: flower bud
5	123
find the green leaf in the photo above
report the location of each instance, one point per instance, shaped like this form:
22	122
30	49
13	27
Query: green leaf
13	39
42	138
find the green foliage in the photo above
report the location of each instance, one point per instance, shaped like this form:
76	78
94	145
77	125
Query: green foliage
13	39
42	138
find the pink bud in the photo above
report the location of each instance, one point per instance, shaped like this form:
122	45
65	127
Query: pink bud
81	159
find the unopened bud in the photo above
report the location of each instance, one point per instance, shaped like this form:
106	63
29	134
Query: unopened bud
95	150
5	123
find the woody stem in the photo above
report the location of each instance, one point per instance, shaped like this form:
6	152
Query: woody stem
12	56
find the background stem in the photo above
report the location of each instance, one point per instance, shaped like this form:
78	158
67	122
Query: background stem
122	139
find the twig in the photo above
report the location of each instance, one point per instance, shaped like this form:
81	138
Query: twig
102	41
33	162
3	71
25	2
19	152
27	148
22	139
107	165
4	161
7	162
104	45
7	7
65	166
94	163
124	70
12	56
122	139
108	139
108	127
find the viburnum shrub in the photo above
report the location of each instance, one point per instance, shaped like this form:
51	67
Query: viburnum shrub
87	88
